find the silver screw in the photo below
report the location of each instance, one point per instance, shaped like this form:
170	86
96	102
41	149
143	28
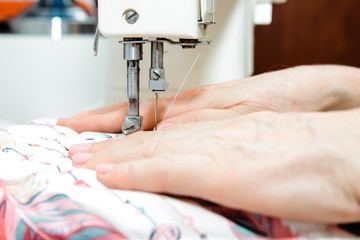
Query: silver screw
155	74
131	17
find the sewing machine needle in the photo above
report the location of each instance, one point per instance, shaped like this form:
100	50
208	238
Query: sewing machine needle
156	103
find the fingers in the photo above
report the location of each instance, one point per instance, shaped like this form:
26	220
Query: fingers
102	110
142	145
111	154
109	122
133	148
200	116
175	174
110	119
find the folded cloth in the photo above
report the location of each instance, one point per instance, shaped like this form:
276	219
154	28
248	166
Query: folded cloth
42	196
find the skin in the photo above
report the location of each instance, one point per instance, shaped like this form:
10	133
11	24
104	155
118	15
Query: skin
305	89
282	144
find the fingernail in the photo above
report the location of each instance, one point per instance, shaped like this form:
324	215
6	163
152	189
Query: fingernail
164	125
104	168
81	157
61	121
78	148
64	119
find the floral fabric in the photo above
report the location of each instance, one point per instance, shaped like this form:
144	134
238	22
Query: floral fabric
43	197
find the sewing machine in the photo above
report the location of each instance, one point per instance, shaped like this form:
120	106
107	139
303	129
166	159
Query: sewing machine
69	80
182	23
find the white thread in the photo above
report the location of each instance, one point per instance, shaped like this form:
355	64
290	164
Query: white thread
178	92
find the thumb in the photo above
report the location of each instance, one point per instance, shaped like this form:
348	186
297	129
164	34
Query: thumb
108	122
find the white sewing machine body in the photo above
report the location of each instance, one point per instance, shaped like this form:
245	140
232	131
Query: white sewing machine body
229	57
156	18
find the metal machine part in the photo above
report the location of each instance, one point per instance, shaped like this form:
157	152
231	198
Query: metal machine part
157	81
131	16
157	74
133	54
156	110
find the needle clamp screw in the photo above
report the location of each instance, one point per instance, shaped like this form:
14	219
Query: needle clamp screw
131	16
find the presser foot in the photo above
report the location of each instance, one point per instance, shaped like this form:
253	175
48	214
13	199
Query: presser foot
132	124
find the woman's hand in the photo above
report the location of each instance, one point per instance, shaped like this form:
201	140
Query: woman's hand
302	166
308	88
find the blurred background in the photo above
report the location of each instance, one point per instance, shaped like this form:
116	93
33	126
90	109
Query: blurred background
47	67
309	32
